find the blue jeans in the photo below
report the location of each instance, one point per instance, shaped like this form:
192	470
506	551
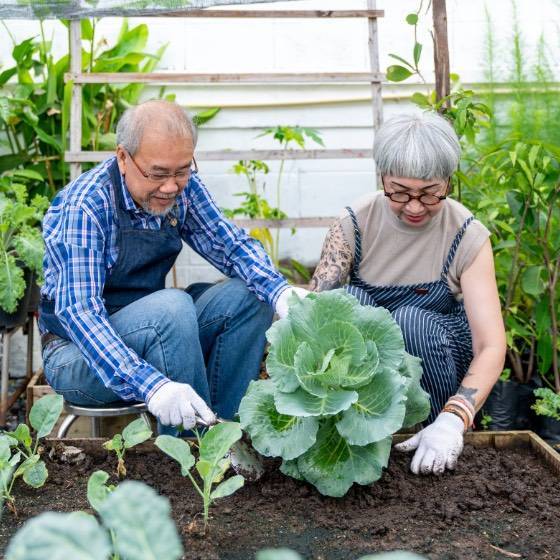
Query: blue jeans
214	341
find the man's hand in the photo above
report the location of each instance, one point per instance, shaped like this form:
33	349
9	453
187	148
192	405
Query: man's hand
175	404
438	446
282	302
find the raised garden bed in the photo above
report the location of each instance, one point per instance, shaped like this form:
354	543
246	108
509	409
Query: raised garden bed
503	501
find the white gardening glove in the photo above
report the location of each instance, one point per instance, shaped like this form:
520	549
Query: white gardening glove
283	298
175	404
438	446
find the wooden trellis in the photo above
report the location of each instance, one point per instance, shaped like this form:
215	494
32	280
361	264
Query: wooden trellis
75	156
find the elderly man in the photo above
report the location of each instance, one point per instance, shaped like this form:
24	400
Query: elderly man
110	329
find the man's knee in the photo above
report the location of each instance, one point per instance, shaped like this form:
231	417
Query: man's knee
240	300
171	305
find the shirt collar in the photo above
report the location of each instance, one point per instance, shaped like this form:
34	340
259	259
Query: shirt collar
129	203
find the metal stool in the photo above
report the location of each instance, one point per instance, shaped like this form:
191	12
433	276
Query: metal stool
98	412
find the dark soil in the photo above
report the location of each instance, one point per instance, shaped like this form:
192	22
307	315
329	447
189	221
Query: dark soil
496	505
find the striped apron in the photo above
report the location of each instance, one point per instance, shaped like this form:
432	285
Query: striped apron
434	324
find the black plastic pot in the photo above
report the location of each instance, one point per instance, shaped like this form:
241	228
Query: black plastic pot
19	316
549	429
509	405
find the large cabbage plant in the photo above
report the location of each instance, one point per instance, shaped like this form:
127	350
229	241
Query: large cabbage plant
340	385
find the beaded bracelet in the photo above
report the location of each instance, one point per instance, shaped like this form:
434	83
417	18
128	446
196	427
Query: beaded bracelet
459	413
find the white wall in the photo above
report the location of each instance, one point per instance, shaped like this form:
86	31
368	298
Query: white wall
341	112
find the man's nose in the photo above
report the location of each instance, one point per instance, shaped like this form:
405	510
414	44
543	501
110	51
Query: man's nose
170	186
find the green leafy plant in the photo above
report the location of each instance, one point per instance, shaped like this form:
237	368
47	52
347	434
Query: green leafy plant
21	244
340	385
20	453
212	463
35	100
256	206
135	524
547	403
406	69
485	421
136	432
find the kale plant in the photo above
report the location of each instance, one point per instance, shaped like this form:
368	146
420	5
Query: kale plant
340	385
547	403
136	432
20	456
212	463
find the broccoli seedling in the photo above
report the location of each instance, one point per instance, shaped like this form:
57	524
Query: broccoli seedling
136	432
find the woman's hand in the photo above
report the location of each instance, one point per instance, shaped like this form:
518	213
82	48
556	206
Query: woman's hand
438	446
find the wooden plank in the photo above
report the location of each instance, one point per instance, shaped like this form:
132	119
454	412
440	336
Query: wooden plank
441	51
235	155
322	222
268	14
190	78
545	452
76	101
373	47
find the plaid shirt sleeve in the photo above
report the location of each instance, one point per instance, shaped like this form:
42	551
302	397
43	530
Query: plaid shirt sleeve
79	248
227	247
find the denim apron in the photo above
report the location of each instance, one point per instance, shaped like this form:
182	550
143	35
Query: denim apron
433	322
145	256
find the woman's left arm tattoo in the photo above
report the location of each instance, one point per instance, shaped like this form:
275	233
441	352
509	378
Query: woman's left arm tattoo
468	393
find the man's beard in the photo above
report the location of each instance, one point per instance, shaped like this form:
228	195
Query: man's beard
147	207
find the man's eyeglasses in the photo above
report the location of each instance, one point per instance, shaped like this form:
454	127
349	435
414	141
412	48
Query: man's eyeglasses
426	199
159	177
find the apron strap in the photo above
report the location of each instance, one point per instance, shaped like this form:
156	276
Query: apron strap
116	180
454	246
357	242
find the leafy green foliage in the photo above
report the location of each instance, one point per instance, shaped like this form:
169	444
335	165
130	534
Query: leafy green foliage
136	524
21	245
212	463
35	109
136	432
98	490
256	206
406	69
340	385
20	456
547	403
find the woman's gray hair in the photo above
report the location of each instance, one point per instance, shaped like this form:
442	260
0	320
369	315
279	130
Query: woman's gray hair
171	117
422	146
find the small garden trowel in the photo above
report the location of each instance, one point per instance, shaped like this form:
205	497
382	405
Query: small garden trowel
244	459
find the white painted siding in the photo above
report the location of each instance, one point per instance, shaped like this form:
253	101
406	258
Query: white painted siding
341	112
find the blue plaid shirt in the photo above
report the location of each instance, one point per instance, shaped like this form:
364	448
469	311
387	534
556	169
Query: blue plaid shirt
80	235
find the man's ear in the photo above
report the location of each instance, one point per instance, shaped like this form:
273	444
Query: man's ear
121	159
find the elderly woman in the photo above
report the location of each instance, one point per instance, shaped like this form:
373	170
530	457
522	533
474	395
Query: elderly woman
424	257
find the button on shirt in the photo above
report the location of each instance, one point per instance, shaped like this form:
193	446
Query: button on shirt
80	233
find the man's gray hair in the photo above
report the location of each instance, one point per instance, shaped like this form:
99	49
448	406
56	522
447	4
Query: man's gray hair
171	117
422	146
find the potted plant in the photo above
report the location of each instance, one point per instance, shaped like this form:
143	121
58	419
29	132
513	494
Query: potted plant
21	249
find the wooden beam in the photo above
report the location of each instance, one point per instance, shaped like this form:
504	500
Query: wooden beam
276	14
441	50
185	77
373	46
323	222
76	101
235	155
